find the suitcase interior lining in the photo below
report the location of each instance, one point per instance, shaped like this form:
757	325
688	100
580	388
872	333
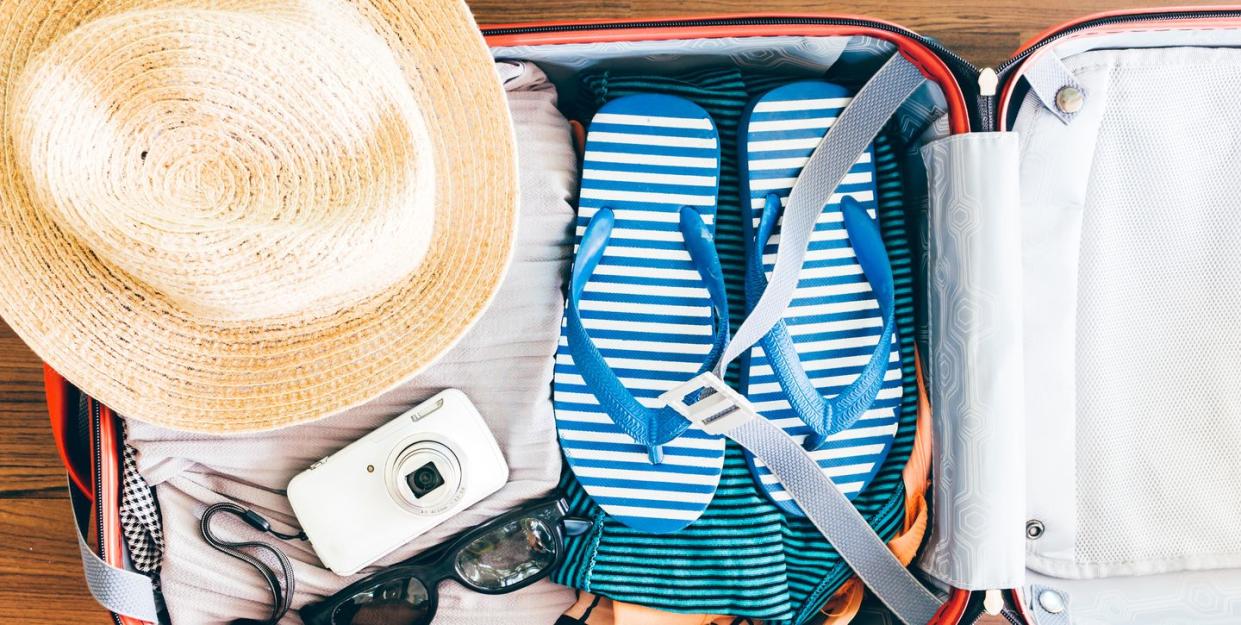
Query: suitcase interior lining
1133	280
848	60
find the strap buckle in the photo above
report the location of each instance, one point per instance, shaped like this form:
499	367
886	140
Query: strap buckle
715	406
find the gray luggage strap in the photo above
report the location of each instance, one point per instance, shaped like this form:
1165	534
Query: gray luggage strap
839	521
721	410
119	591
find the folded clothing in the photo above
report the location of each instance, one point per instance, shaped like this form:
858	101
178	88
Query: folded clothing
743	556
504	364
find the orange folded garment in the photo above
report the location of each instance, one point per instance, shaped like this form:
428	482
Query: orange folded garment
597	610
843	606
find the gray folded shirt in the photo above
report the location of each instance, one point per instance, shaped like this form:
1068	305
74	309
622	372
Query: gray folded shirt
504	364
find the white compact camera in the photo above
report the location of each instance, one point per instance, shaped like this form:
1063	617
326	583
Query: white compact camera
366	500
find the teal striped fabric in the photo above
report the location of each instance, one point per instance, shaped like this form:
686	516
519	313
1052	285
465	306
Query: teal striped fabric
744	557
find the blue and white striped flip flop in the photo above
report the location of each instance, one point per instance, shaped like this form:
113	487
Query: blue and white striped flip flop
646	311
830	372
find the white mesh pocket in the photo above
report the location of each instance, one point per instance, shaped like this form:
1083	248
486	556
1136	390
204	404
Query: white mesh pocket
1157	382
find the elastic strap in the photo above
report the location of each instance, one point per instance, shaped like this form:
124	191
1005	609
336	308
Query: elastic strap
839	521
727	412
117	590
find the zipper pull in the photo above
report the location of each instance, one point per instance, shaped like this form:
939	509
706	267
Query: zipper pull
988	82
993	600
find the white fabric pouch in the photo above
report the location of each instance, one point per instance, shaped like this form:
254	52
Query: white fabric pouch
975	362
1132	253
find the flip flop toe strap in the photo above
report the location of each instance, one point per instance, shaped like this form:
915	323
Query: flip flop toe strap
826	417
649	427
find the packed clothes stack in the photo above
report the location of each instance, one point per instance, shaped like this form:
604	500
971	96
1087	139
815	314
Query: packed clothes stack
748	559
786	569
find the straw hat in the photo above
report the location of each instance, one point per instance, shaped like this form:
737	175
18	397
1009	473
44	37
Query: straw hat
236	215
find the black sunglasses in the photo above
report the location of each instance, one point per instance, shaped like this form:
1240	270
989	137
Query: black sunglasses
505	554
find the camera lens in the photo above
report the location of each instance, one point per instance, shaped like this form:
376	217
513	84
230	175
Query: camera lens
424	479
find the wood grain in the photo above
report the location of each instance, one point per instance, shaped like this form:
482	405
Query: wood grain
40	573
40	576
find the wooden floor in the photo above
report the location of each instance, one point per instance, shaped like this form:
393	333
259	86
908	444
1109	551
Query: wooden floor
40	576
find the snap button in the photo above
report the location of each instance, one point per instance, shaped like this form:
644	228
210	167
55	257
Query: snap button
1034	529
1051	601
1069	99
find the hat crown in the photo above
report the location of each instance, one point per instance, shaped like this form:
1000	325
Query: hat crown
245	165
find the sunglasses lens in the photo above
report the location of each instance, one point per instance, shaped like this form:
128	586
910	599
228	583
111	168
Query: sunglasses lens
399	602
508	555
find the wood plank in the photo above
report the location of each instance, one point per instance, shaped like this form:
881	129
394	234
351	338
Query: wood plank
29	465
40	570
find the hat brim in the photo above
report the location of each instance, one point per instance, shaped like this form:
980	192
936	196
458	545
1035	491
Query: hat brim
129	347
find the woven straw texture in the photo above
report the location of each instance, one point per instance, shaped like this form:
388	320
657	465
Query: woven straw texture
228	216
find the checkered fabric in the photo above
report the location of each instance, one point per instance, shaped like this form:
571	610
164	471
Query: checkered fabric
140	520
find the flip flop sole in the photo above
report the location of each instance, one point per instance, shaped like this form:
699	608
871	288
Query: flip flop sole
645	307
833	318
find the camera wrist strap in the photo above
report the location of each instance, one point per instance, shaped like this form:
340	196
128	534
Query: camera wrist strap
282	598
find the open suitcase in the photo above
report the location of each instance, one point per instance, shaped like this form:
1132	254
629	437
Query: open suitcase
1081	278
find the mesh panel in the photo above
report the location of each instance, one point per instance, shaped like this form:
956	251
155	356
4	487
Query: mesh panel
1159	314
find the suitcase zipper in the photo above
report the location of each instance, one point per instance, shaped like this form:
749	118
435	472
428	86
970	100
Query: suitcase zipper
985	98
956	61
96	418
988	112
1109	20
962	71
97	440
988	86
